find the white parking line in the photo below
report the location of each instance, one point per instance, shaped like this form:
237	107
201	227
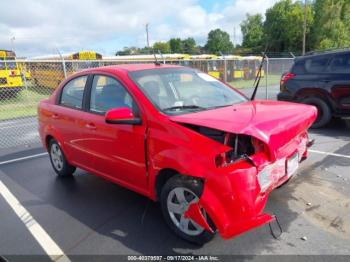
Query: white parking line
45	241
328	153
22	158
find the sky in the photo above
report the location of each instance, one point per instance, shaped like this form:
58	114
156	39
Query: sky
40	27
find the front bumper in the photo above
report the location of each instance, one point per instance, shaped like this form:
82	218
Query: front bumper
234	197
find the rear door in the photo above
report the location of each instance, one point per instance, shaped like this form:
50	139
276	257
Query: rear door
338	83
66	118
118	150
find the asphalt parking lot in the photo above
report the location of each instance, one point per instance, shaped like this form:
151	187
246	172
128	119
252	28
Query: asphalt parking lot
86	215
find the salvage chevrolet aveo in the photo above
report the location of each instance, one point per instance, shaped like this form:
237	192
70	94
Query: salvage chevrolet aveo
203	150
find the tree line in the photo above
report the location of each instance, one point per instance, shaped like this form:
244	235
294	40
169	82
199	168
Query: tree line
327	26
280	30
218	41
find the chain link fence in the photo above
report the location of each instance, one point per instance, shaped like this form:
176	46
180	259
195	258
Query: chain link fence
27	82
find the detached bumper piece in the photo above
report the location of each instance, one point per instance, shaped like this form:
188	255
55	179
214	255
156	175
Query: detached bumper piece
238	228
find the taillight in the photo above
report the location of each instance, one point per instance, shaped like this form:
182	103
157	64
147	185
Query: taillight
286	77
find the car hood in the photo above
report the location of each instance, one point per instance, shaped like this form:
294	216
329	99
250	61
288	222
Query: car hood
273	122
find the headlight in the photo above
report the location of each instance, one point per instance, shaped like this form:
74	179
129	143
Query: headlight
263	178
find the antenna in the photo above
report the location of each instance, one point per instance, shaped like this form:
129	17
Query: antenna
258	75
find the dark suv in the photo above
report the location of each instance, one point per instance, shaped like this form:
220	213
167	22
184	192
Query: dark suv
322	80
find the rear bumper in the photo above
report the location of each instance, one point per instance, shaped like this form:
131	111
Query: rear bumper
284	96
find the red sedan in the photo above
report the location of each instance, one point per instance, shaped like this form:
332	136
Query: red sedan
178	136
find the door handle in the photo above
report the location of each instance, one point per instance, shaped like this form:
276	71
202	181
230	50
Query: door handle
55	116
90	126
326	80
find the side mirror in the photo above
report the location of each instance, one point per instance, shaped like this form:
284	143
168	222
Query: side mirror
122	115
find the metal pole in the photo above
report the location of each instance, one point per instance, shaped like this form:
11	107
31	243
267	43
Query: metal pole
63	63
304	29
147	35
266	75
234	36
12	39
23	74
225	66
225	69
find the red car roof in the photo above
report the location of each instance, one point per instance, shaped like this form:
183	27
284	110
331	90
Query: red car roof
135	67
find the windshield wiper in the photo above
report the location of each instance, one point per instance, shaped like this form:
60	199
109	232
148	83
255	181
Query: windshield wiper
220	106
183	107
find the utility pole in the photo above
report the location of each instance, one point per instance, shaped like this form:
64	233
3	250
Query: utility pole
234	36
304	29
12	39
147	35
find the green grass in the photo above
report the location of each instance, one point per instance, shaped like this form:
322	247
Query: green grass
24	104
271	80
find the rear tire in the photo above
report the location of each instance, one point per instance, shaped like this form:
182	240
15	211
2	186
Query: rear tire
58	160
324	114
178	192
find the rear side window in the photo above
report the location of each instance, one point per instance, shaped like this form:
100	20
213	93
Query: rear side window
316	64
73	91
340	64
299	67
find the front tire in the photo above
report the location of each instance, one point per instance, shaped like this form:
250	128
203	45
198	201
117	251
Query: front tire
177	194
324	114
58	160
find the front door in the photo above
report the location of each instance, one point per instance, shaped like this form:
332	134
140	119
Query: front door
117	149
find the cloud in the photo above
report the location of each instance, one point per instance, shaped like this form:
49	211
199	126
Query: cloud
106	25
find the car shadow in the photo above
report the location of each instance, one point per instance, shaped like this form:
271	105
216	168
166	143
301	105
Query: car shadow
337	128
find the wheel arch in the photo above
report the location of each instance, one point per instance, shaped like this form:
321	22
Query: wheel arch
48	138
315	93
164	175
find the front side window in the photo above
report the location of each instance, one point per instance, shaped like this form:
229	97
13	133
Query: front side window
180	90
73	91
108	93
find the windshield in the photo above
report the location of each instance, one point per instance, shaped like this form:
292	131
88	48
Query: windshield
11	65
181	90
